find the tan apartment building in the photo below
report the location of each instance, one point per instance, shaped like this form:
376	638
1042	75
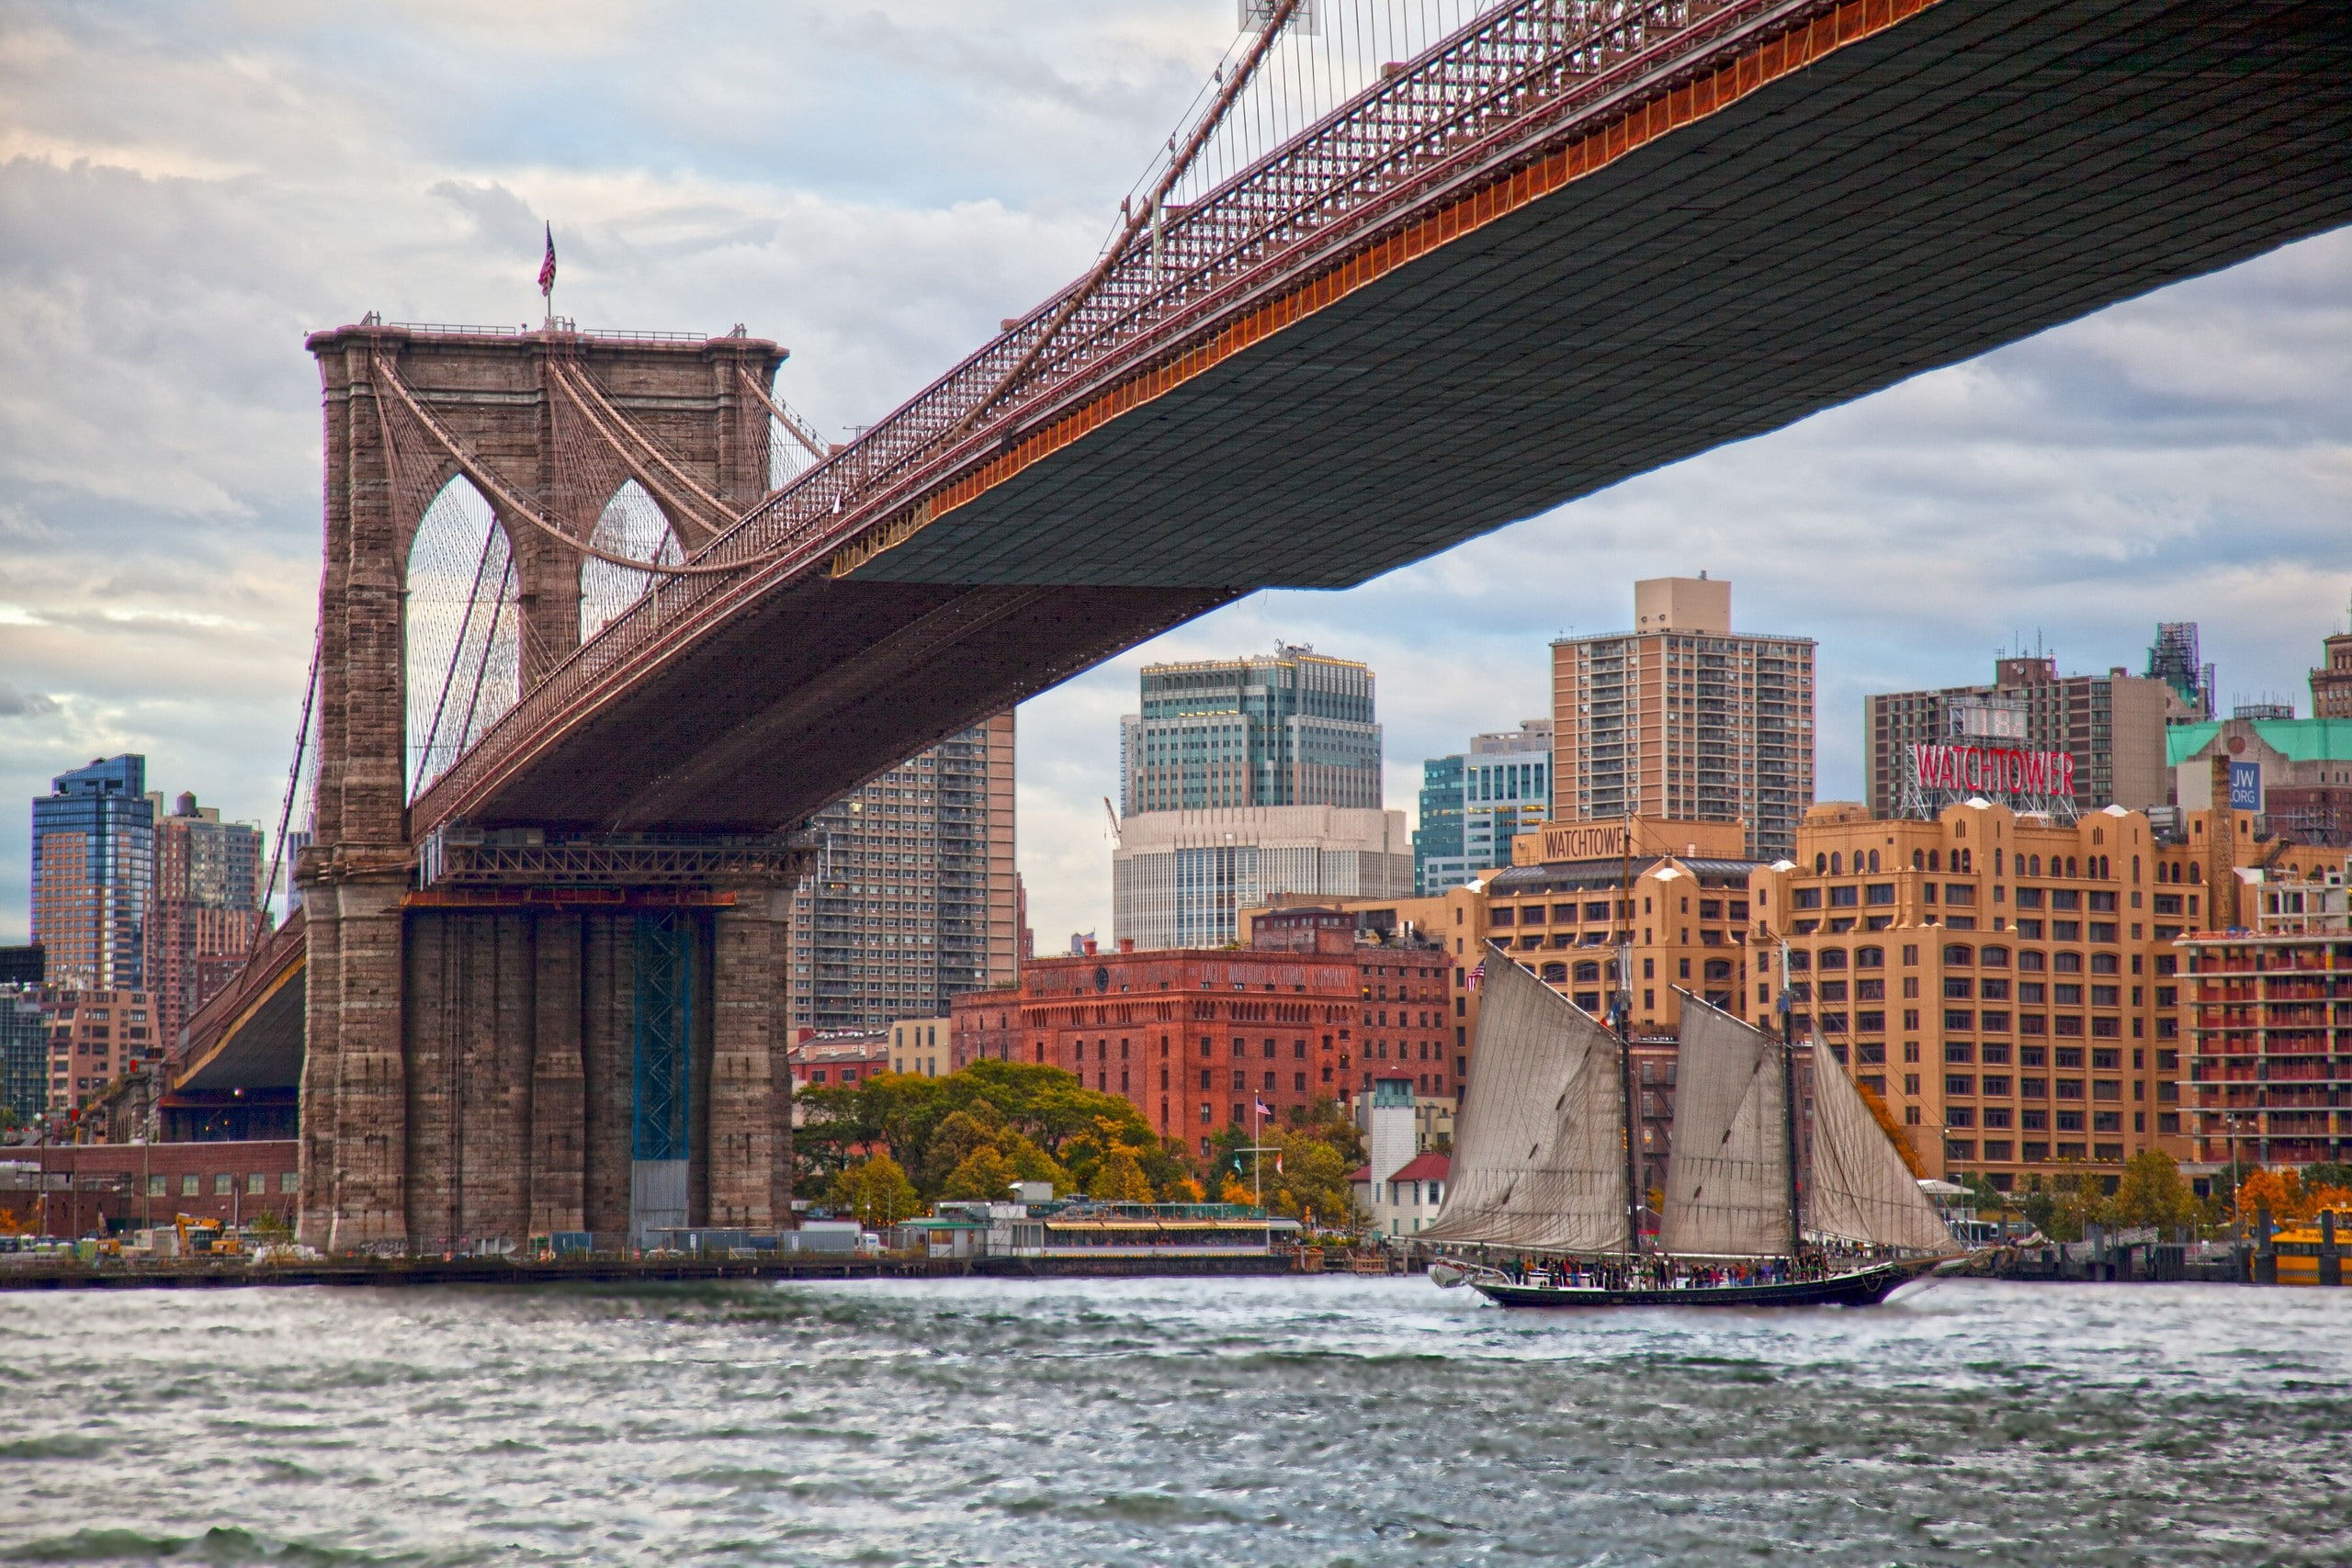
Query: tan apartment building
1682	718
2009	985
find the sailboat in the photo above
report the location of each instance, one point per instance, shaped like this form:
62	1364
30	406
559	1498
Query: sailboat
1544	1207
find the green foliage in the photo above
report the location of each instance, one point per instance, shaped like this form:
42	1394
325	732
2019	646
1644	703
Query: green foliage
983	1174
930	1126
876	1191
2152	1194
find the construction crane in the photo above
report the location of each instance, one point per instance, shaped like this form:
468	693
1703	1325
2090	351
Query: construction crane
1110	812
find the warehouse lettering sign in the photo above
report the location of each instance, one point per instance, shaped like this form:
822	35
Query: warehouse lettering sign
1984	770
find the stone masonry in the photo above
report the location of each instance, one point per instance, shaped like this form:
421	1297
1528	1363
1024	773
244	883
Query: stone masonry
469	1073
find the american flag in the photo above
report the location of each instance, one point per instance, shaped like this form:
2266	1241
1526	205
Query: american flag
546	265
1264	1109
1479	975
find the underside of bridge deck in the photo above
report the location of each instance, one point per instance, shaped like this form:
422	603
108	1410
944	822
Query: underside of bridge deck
1975	173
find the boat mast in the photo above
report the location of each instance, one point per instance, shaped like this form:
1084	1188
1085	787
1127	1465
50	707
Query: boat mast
1621	1014
1789	1103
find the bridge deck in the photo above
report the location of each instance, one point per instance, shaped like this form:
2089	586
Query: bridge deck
1959	180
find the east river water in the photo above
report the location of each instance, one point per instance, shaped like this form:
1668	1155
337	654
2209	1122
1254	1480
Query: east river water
1261	1422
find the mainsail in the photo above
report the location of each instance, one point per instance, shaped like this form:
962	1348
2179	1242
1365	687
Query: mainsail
1861	1189
1727	1176
1539	1153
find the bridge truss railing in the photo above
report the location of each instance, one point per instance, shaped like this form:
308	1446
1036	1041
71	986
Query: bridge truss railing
1524	75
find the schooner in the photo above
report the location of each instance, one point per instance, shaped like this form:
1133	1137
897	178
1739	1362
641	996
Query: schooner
1544	1207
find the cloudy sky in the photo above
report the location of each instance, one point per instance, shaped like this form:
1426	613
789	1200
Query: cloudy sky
187	190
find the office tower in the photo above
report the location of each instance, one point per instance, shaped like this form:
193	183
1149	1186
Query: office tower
1473	804
207	904
913	898
1179	878
1292	727
1682	718
2111	725
1246	778
93	874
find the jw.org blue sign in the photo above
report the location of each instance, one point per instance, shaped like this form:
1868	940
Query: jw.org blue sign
2245	786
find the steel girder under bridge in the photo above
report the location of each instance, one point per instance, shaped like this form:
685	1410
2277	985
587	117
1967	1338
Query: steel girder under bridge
1574	243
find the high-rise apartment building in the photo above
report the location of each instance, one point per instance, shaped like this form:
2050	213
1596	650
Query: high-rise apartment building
93	874
912	899
2111	725
1473	803
1293	727
1682	718
208	902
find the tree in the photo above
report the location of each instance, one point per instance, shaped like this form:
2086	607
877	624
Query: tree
876	1191
1119	1178
2280	1192
1183	1189
1235	1191
2152	1194
984	1175
959	1135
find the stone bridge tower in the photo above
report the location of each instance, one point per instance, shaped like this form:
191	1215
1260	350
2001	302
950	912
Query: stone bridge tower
513	1032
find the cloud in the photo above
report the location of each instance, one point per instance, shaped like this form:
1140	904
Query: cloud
15	704
187	191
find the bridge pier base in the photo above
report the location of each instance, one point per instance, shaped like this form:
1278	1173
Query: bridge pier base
493	1057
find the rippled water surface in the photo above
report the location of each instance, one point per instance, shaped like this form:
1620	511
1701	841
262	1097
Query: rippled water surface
1164	1422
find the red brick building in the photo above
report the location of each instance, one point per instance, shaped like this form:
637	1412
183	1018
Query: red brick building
846	1058
95	1188
1196	1037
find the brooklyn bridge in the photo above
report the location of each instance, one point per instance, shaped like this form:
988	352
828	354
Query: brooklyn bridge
528	986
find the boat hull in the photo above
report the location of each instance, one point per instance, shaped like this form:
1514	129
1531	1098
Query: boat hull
1863	1287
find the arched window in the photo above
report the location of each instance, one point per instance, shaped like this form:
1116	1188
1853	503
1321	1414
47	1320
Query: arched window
1935	859
1837	863
1873	860
1958	952
1918	860
1833	958
1993	957
461	629
1820	863
2195	875
1589	975
1869	958
1556	973
2071	872
2135	871
631	525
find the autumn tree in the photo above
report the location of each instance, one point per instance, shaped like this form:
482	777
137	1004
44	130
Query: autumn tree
2152	1194
1118	1178
876	1191
983	1175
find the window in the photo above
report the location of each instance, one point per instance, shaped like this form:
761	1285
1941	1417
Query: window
1995	1084
1958	987
1958	953
1845	897
1805	897
1959	1019
1879	892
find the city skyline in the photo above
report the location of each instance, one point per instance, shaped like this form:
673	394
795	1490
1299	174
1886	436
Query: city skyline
2177	457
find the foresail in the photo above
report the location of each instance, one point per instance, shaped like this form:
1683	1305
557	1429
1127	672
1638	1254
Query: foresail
1727	1174
1861	1189
1539	1157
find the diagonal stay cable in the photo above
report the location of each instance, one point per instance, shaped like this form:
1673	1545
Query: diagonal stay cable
631	444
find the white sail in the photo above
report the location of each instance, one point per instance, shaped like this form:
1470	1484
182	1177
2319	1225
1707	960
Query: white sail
1539	1153
1727	1176
1861	1191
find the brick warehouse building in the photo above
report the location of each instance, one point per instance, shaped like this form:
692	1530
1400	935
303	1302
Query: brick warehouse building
1193	1037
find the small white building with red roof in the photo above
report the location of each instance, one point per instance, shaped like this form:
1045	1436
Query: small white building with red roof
1410	1195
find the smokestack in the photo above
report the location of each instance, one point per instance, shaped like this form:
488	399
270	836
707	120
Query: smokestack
2221	885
